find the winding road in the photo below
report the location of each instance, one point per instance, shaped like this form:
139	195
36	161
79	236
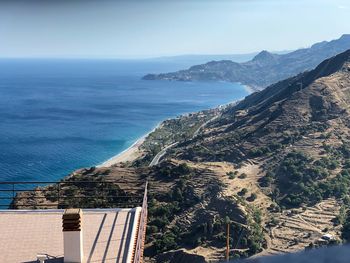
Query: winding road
161	154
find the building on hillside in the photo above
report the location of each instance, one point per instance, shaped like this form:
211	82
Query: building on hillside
73	235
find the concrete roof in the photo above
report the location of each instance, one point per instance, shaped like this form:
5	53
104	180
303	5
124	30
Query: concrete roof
108	234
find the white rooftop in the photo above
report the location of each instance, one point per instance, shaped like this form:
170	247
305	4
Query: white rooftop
108	235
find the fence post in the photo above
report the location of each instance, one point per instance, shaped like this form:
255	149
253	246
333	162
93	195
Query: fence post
58	194
228	242
13	192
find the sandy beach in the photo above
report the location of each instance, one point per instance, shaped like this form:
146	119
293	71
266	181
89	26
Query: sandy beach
128	155
134	151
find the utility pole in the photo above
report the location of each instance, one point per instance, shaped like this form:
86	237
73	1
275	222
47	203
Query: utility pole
228	242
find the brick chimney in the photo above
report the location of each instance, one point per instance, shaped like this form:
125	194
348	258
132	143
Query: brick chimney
72	236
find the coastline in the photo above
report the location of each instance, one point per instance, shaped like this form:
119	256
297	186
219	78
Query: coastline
134	152
130	154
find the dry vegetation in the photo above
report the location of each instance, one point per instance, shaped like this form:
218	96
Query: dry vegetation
276	166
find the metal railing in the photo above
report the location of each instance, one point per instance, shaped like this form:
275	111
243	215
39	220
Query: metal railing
65	194
141	233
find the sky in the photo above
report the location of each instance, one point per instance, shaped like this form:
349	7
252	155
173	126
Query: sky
153	28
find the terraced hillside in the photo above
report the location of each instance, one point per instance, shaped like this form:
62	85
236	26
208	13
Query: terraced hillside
276	166
285	151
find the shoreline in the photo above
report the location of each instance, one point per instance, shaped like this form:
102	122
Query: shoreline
129	154
133	152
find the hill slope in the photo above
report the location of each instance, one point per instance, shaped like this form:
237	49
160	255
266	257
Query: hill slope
283	118
265	69
276	166
286	151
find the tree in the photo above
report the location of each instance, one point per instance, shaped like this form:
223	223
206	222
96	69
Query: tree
346	228
243	192
242	176
252	197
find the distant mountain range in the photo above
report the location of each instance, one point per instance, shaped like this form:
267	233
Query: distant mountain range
200	59
264	69
191	59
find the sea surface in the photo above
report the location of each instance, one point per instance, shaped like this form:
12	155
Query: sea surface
60	115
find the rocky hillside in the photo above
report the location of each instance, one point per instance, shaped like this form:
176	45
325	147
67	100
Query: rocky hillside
265	69
276	166
286	152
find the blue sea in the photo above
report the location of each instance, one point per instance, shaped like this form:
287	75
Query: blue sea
60	115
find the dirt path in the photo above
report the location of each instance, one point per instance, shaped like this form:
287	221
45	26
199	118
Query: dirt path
296	229
293	230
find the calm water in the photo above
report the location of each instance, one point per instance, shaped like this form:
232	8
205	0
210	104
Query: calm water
60	115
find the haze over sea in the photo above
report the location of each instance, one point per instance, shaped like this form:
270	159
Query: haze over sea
60	115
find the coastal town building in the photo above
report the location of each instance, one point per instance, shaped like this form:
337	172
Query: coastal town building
73	235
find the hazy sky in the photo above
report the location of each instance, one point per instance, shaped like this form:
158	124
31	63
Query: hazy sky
149	28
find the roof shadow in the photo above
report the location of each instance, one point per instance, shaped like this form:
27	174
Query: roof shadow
52	260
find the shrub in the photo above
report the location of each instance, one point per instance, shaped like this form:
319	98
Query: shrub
275	146
346	228
252	197
347	164
257	215
167	242
345	149
274	221
160	222
152	229
328	163
243	192
266	180
257	152
183	169
242	176
231	175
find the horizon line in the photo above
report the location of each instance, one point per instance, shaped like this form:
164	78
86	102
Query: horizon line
141	57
